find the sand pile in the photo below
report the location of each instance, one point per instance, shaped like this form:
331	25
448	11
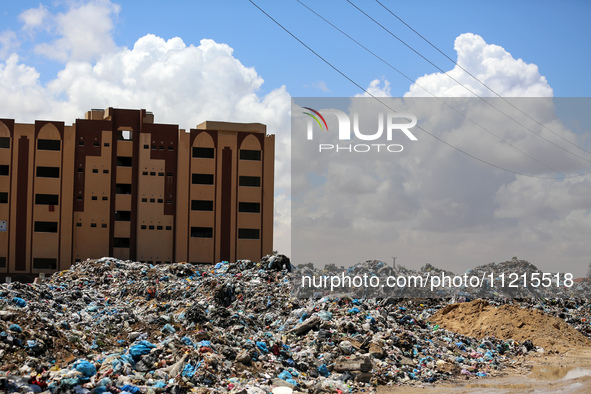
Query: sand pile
479	319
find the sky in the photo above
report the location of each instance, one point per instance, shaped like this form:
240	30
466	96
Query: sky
190	61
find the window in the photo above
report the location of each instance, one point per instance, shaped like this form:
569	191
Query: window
152	200
78	224
124	161
96	144
121	242
251	181
204	153
81	142
4	169
171	148
201	205
202	179
169	201
95	170
105	171
124	135
106	144
48	172
80	169
94	198
145	173
150	227
160	147
251	207
169	174
4	198
248	233
246	154
4	142
48	144
105	198
44	264
160	201
158	227
144	199
144	227
201	232
146	146
47	199
152	173
169	227
92	224
46	227
122	216
123	188
2	262
160	174
103	225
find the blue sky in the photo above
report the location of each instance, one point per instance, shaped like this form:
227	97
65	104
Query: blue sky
190	61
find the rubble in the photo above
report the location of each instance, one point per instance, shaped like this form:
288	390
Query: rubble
112	326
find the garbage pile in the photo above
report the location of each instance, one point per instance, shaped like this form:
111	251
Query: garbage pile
112	326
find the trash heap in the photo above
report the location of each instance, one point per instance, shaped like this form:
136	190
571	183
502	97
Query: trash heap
112	326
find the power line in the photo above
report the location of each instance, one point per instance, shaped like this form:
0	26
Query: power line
387	106
464	86
478	80
438	98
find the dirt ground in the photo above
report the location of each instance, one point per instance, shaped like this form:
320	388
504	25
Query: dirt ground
543	374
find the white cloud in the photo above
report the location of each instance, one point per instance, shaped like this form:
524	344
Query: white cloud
376	89
492	65
84	30
8	42
35	18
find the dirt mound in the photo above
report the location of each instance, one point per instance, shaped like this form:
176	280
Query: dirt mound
479	319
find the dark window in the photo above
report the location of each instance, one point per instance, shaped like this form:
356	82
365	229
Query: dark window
160	147
104	225
2	262
46	227
96	144
153	147
152	173
169	227
171	148
144	200
246	154
124	161
48	144
169	201
105	198
145	173
78	224
146	146
4	169
144	227
202	179
201	205
47	199
160	174
252	207
123	188
4	142
248	233
204	153
160	201
106	144
169	174
48	172
4	198
105	171
150	227
252	181
201	232
44	264
158	227
92	224
152	200
80	169
95	170
94	198
123	216
121	242
81	143
79	198
124	135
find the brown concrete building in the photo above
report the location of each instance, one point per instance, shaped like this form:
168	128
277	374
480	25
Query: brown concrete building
118	184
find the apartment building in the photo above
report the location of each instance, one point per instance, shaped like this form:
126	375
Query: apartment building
117	184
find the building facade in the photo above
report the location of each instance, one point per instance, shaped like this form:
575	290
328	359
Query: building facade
118	184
